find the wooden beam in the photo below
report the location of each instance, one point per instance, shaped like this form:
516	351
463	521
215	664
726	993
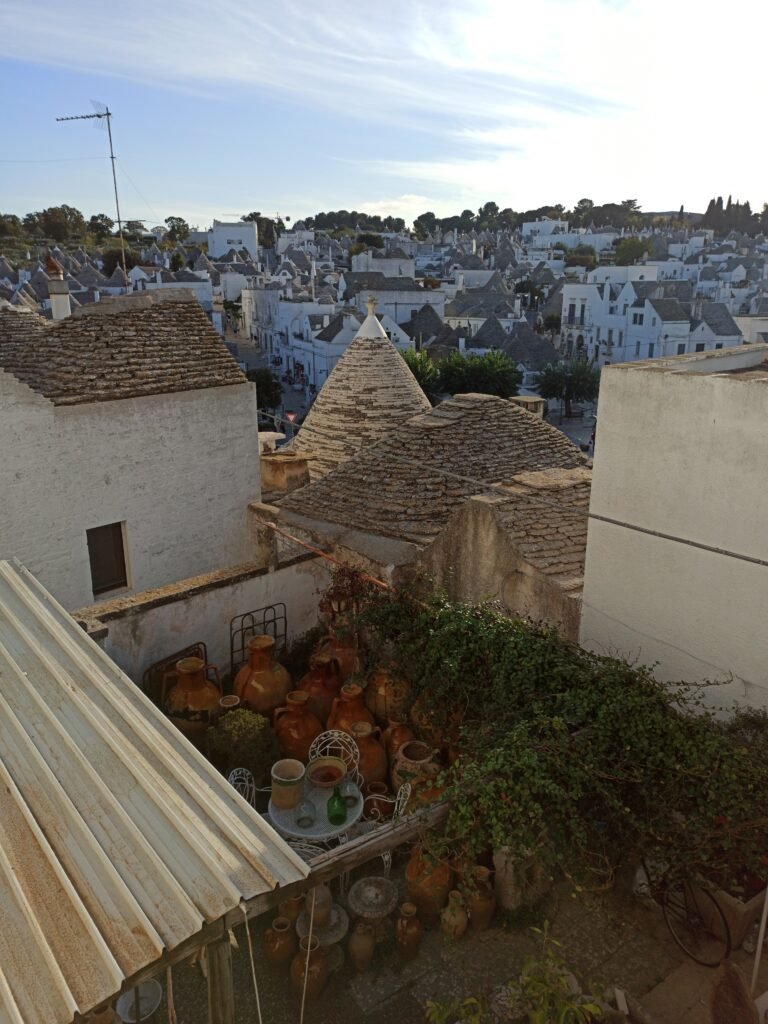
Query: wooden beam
221	987
341	859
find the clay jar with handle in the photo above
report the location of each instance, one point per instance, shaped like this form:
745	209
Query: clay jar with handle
361	945
377	805
291	908
373	762
348	708
410	761
193	700
322	683
454	918
481	899
408	931
279	943
428	883
341	645
386	697
394	736
317	971
296	727
262	684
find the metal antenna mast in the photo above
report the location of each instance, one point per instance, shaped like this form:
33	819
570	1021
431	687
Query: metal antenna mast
106	114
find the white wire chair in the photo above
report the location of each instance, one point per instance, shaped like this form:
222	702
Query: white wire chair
241	780
335	743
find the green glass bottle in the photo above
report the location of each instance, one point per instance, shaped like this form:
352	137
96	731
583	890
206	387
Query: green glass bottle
337	808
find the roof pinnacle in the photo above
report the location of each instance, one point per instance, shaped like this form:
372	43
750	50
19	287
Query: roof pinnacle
371	304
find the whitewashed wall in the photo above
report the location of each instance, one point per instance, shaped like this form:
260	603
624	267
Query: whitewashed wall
141	636
179	469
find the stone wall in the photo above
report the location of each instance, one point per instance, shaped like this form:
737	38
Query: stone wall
179	469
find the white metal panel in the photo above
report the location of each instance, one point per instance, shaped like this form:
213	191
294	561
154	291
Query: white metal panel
117	839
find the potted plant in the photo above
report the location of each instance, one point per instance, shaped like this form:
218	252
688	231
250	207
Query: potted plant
243	739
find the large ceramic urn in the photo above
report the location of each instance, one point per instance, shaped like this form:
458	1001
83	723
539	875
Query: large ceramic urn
262	684
309	961
373	762
387	697
193	699
428	884
348	708
322	683
295	726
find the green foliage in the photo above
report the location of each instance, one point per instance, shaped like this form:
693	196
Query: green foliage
457	1011
10	225
59	223
552	322
545	991
424	370
369	240
269	393
491	374
270	228
243	739
578	381
177	261
630	250
178	229
112	258
100	226
570	757
582	256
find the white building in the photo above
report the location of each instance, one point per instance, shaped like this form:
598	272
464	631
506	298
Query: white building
389	265
238	235
677	548
130	447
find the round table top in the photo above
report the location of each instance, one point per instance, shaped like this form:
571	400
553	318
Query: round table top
333	932
373	897
285	821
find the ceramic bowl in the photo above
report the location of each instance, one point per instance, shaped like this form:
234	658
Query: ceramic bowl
326	772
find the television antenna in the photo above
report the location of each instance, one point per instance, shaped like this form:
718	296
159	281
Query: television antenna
103	113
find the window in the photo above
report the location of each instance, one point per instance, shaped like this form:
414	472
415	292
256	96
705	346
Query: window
610	335
626	307
653	321
597	335
637	350
581	313
571	312
700	346
637	318
107	558
681	348
650	350
719	344
621	337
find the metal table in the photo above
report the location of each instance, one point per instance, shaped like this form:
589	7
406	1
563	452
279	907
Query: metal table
322	829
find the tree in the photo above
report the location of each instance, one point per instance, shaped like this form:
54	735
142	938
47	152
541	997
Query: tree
570	382
112	258
368	240
582	256
269	393
424	370
100	225
58	223
491	374
629	251
270	228
178	229
177	261
10	224
426	224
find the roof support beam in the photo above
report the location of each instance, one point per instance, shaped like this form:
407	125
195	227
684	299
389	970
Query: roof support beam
221	990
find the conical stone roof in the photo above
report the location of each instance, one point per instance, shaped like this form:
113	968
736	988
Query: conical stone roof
369	391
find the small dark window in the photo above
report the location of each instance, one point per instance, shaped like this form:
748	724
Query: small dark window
681	348
700	347
107	558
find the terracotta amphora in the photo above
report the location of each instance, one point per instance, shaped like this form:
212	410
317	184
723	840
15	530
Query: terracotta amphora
361	945
322	683
395	735
373	764
279	943
408	931
409	763
317	973
193	700
263	683
341	645
295	726
428	883
291	908
347	708
386	697
481	900
454	918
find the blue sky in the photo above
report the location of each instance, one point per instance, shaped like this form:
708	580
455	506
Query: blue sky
397	106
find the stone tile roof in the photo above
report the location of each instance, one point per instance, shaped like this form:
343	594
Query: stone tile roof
425	324
490	334
669	310
374	280
408	484
546	519
526	347
716	316
369	391
475	303
127	348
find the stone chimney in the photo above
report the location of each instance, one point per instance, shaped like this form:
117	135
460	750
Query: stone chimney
58	290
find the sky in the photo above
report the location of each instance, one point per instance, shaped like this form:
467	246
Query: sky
394	106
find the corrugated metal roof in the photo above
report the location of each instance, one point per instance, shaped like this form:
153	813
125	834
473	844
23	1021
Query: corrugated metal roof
118	840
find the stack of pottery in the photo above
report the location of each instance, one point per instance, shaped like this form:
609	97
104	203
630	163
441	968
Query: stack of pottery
373	762
322	683
262	684
386	697
482	899
408	931
410	762
279	944
428	883
193	700
310	962
295	726
454	918
348	708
